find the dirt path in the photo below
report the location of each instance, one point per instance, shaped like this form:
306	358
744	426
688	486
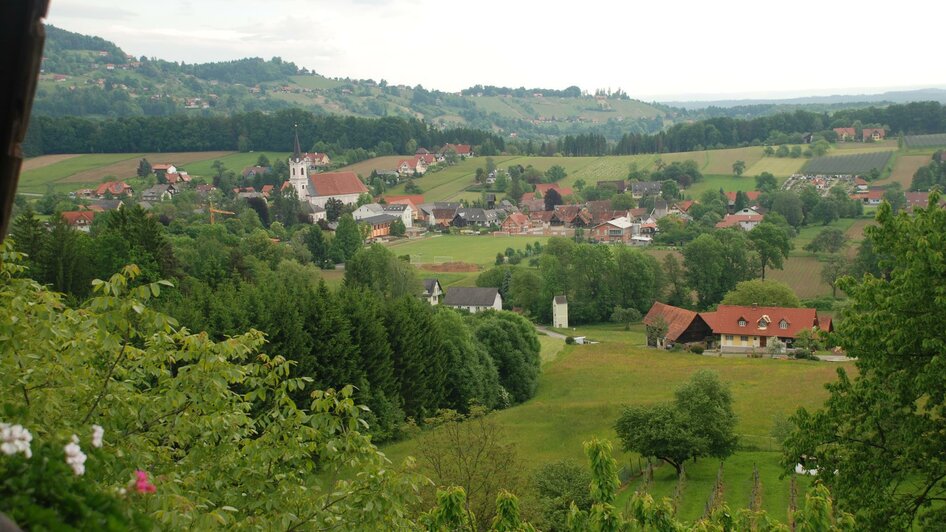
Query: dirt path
550	334
45	160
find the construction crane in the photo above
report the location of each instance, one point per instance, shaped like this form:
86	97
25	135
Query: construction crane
217	211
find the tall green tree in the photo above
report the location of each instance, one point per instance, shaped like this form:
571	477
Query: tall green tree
771	244
762	293
379	270
511	341
880	430
348	239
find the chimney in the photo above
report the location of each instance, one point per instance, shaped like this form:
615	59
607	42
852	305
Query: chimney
755	305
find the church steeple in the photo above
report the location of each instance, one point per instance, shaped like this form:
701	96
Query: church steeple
297	153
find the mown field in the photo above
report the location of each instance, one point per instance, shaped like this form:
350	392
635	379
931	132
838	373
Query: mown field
67	173
777	166
582	390
937	140
480	250
728	183
232	161
904	168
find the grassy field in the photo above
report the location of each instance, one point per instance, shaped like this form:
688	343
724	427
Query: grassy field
777	166
728	183
802	272
480	250
904	168
68	173
582	389
849	163
807	234
232	161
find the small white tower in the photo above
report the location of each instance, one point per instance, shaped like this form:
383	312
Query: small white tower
560	312
299	172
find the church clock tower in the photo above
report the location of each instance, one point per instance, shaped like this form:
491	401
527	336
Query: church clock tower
298	172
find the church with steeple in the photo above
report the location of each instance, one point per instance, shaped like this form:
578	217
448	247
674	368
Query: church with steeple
317	188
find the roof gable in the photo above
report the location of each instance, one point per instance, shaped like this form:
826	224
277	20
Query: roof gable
459	296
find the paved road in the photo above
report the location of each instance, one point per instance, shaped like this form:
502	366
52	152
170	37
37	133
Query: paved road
549	333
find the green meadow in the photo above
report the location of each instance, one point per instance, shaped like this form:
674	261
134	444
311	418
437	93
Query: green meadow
583	387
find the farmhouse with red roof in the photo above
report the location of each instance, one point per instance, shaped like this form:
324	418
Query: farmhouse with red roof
682	325
873	133
742	328
79	220
115	188
845	133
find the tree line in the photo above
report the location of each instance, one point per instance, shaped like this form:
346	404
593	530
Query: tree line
241	131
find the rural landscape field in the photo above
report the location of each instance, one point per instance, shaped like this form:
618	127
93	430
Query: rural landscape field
387	266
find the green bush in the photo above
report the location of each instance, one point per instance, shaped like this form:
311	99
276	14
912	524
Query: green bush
569	340
698	349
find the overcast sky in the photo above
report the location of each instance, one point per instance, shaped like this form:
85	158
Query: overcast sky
657	49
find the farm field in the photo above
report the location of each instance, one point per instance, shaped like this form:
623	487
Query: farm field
728	183
364	168
581	392
479	250
717	161
860	163
904	168
925	141
232	161
777	166
808	233
71	173
890	144
45	160
802	272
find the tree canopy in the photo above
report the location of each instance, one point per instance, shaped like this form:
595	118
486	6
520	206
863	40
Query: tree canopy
762	293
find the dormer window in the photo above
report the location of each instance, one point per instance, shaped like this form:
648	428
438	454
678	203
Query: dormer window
742	322
783	324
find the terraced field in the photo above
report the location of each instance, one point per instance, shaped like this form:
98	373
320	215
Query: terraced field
777	166
925	141
857	164
904	168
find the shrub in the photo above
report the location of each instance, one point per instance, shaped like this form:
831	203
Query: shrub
569	340
698	349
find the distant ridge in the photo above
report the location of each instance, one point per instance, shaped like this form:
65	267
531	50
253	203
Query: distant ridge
903	96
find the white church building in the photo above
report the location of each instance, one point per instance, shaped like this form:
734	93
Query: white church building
317	188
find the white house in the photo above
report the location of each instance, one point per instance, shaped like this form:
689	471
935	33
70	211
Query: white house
401	210
432	291
367	211
474	299
560	312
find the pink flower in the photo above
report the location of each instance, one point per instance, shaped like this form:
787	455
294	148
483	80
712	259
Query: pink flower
141	484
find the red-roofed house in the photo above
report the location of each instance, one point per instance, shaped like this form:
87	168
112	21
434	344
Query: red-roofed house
873	133
745	219
115	188
751	195
542	188
873	196
516	223
743	328
416	213
861	184
683	326
845	133
410	166
463	150
79	220
317	160
178	177
615	230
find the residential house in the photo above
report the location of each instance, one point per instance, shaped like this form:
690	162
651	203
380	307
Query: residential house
845	133
661	209
444	213
751	195
474	299
402	211
79	220
463	150
114	189
204	190
367	211
542	188
560	312
378	225
474	216
178	178
162	169
744	328
416	214
102	205
253	171
516	223
746	219
871	196
85	193
616	230
571	216
316	160
861	184
409	167
532	204
158	193
682	326
873	133
432	291
541	219
267	190
314	212
639	189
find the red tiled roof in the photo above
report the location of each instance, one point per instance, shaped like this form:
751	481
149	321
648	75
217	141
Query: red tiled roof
860	181
732	220
461	149
161	166
415	198
873	194
74	218
542	188
685	205
849	131
517	219
544	216
677	319
337	184
868	132
752	195
726	320
113	187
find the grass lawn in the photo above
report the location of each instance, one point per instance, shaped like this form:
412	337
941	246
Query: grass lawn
777	166
582	389
808	233
235	161
479	250
729	183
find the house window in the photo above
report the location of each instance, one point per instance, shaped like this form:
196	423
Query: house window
783	324
729	338
742	322
744	339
